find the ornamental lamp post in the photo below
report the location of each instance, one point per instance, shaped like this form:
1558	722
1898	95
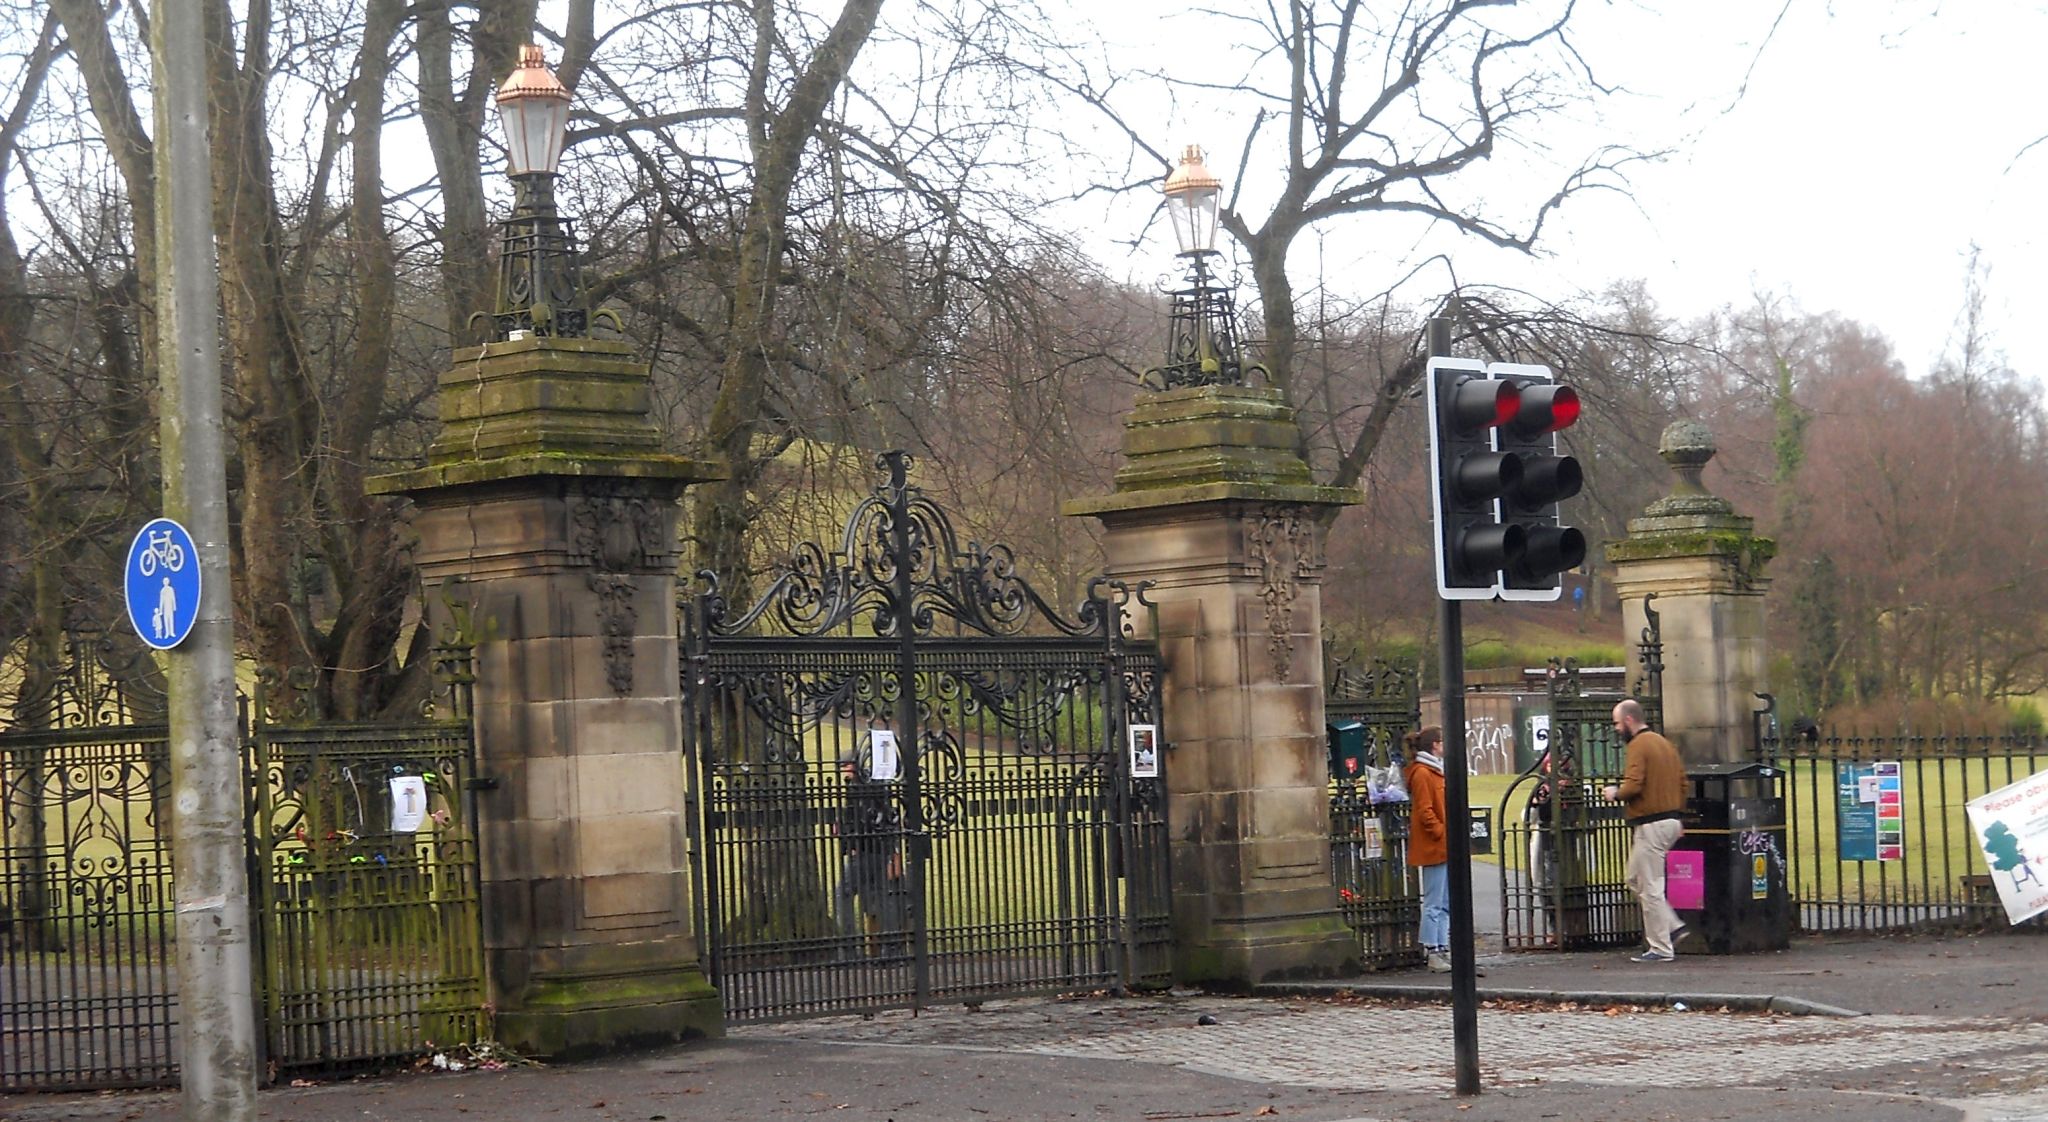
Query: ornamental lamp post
533	107
540	290
1193	195
1201	345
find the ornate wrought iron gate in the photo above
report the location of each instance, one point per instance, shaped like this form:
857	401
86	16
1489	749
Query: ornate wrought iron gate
889	816
1564	849
364	883
367	935
1380	899
88	978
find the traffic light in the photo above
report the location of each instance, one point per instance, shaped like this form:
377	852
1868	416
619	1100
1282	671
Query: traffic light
1549	547
1470	474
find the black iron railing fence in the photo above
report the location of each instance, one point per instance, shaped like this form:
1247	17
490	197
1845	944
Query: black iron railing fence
1879	836
367	938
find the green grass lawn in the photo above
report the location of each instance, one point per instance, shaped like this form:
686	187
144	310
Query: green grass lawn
1940	847
1484	792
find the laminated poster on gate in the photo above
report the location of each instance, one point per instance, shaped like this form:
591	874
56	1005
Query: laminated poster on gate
408	803
1144	751
882	762
2011	825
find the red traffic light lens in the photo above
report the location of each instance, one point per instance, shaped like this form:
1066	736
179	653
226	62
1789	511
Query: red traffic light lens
1544	408
1478	404
1564	408
1508	401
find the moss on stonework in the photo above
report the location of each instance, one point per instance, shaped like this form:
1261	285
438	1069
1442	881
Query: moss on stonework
577	1034
578	1017
639	988
1211	465
550	463
1700	543
1164	496
1306	940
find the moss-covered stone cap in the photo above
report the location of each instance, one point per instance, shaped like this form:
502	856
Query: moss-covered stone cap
1745	548
466	473
1190	402
1157	498
606	348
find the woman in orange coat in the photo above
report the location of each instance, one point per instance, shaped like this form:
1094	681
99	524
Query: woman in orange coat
1429	841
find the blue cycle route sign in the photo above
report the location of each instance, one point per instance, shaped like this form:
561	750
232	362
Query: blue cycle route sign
163	584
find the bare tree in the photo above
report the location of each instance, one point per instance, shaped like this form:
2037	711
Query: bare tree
1369	112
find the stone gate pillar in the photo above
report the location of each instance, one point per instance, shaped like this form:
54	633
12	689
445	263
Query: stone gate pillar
1705	566
547	514
1215	508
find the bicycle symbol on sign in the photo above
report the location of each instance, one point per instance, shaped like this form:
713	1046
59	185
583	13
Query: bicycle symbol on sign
162	551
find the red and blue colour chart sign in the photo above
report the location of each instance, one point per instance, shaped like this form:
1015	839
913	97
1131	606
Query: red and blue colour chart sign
1870	822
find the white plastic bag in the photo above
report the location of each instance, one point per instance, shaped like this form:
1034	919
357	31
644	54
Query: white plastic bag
1385	785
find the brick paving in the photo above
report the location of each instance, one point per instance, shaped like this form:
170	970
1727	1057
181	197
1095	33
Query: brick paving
1344	1044
1957	1032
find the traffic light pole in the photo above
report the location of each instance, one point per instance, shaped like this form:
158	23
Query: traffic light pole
1451	667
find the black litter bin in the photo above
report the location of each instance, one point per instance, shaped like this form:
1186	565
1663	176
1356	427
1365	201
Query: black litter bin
1726	875
1481	829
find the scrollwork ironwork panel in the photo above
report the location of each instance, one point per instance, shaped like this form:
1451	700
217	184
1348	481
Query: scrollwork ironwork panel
372	941
889	814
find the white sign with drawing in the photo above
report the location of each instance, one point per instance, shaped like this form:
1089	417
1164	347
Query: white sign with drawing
2011	824
882	763
408	803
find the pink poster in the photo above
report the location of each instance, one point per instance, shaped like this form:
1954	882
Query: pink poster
1685	879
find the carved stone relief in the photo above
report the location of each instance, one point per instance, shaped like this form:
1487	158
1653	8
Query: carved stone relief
615	529
618	531
1282	545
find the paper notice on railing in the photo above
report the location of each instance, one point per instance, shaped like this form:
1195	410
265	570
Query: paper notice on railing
408	803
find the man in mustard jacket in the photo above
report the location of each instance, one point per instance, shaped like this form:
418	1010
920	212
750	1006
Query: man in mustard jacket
1652	795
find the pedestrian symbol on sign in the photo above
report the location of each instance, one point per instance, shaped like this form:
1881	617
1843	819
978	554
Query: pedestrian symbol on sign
163	584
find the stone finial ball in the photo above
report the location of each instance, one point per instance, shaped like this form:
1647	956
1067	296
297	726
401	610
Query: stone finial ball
1686	442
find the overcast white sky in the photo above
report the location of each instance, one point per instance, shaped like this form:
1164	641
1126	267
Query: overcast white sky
1876	141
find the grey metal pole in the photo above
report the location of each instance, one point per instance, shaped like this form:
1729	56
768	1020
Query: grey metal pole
216	995
1451	672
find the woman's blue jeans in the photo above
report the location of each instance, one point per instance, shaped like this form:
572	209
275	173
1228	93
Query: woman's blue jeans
1436	905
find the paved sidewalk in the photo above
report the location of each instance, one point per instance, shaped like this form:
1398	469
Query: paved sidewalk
1955	1029
1991	975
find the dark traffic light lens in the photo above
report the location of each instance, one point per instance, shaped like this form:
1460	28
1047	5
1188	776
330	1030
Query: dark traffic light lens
1483	549
1547	480
1549	550
1486	475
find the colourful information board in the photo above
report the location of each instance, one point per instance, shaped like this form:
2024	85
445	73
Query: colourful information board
1870	811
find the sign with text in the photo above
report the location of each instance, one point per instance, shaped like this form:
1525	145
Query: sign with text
1685	879
1869	811
2011	825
